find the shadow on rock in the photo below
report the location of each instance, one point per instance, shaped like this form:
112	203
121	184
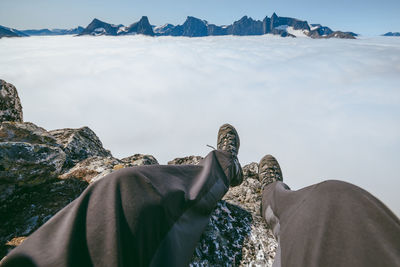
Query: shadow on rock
29	207
222	241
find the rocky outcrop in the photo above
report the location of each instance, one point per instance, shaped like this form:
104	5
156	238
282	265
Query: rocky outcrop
25	132
79	144
10	104
26	164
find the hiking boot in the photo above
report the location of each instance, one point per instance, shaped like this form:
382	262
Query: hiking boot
228	141
269	171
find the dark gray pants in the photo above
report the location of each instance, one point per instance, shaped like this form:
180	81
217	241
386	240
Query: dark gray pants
140	216
332	223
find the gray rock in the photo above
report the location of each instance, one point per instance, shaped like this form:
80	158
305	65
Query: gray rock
190	160
27	208
10	104
236	234
79	144
95	168
139	160
251	170
27	164
25	132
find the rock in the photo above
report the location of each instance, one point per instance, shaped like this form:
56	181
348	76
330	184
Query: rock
25	132
28	164
190	160
79	144
236	234
10	105
251	170
139	160
29	207
141	27
95	168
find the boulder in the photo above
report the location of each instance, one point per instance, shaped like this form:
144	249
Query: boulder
10	104
28	164
25	132
93	169
79	144
190	160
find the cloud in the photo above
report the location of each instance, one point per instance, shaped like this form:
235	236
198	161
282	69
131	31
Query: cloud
327	109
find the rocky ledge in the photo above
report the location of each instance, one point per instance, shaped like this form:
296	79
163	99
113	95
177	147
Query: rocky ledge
42	171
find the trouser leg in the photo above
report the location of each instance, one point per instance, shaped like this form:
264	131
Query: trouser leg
141	216
332	223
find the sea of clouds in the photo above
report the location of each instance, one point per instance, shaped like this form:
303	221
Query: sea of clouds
326	109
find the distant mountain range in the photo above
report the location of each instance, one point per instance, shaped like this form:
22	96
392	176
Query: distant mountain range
194	27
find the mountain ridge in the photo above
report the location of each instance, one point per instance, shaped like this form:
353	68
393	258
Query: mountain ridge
195	27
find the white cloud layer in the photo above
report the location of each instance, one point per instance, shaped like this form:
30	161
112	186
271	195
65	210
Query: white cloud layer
327	109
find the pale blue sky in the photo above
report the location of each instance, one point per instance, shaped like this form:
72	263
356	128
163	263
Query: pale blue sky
368	17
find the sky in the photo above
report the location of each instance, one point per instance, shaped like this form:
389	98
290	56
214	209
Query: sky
326	109
367	17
